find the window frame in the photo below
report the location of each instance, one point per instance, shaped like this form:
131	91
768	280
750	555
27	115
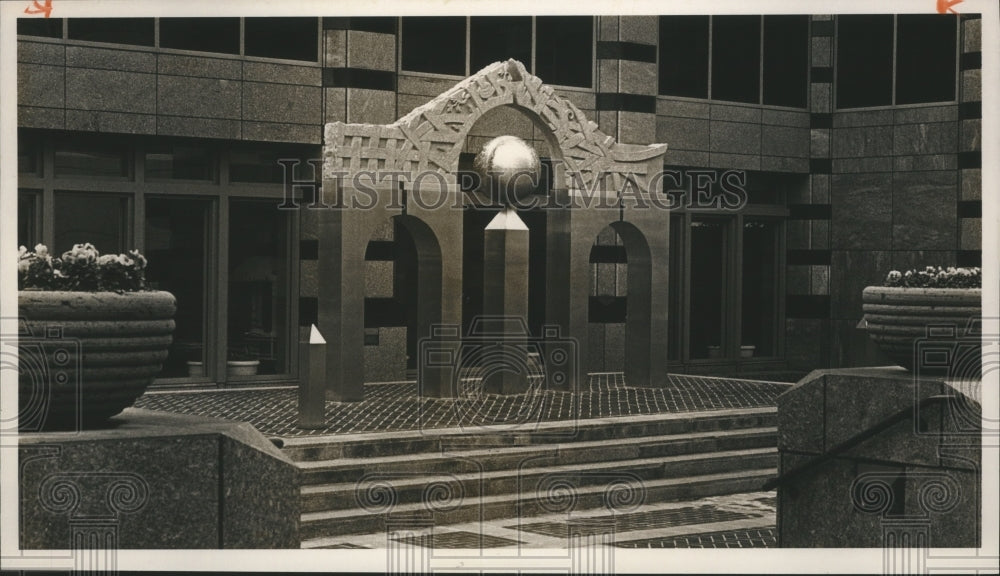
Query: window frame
529	65
137	188
835	105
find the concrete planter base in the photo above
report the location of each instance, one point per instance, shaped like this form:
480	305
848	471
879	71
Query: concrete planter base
86	356
906	321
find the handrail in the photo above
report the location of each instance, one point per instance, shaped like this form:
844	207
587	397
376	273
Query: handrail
853	441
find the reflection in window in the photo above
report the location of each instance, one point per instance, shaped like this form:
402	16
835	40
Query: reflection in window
760	277
497	38
925	58
786	60
101	219
28	154
864	60
90	158
180	163
736	58
708	281
684	56
203	34
137	31
259	274
434	44
288	38
262	165
564	50
176	249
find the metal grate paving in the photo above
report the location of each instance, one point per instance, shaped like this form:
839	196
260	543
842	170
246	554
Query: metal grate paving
636	521
744	538
457	540
398	406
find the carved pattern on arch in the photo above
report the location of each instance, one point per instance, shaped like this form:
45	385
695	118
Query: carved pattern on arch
431	136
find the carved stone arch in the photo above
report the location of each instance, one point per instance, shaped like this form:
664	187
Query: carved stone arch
431	136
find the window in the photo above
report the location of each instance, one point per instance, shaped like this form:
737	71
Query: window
101	219
684	56
709	239
925	58
177	250
434	44
786	60
564	50
736	58
138	31
258	327
28	218
47	27
202	34
179	162
94	158
28	154
264	165
288	38
760	286
864	61
496	38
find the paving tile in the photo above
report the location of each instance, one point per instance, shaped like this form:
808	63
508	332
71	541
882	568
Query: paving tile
638	521
397	405
747	538
456	540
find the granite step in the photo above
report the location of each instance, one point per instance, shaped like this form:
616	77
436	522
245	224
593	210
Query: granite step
500	458
444	440
317	526
405	487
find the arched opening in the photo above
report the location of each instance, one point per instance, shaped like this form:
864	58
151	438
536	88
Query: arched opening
402	283
619	308
499	121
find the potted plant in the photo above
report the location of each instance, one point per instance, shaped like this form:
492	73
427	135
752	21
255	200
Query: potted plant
241	362
91	336
942	304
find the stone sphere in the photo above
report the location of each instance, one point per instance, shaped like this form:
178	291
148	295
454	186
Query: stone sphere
509	169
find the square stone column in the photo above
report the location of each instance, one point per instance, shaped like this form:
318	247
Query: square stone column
505	294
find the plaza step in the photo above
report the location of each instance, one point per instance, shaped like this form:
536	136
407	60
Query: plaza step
355	483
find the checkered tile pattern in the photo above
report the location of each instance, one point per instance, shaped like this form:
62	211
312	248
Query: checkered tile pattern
747	538
397	406
638	521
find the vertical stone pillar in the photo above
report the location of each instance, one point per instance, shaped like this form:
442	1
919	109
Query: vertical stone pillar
627	77
970	113
359	69
505	294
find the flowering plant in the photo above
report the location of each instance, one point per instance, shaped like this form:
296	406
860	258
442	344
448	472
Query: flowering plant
936	277
82	269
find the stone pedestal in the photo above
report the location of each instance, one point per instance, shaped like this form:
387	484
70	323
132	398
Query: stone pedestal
505	295
157	480
920	474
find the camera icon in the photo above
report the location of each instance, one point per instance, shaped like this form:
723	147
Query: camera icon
48	366
958	355
500	375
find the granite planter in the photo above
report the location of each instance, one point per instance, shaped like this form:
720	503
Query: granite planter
898	319
86	356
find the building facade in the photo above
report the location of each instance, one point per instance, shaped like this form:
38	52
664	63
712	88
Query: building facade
855	138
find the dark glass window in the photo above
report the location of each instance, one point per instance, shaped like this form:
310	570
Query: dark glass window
138	31
91	158
28	216
925	58
864	60
495	38
736	58
47	27
760	282
101	219
288	38
265	165
202	34
708	282
786	60
434	44
564	50
259	270
28	154
177	248
180	162
684	56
